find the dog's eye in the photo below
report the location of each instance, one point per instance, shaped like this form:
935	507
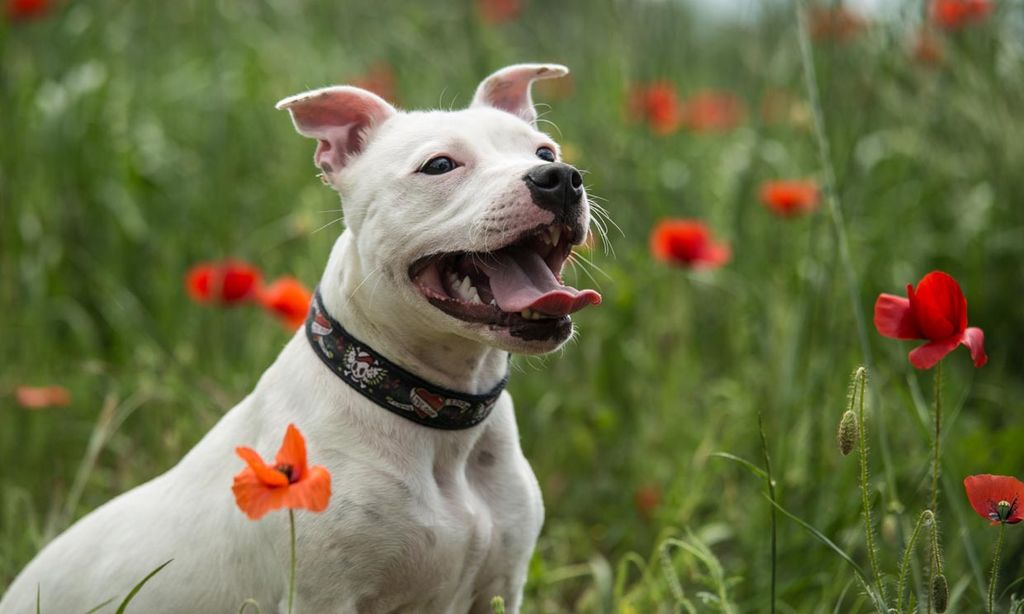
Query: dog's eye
546	153
438	166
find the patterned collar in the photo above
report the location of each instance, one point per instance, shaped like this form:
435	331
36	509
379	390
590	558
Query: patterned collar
389	385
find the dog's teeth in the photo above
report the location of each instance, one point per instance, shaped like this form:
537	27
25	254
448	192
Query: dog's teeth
530	314
555	234
493	302
474	297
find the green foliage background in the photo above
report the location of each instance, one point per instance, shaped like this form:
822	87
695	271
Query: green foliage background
140	138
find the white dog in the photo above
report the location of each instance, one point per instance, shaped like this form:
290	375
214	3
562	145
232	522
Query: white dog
458	224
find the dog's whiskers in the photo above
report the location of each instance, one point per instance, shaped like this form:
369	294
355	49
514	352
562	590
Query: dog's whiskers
540	119
373	291
360	284
602	220
334	221
585	263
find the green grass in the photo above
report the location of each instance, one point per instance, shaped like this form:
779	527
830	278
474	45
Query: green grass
137	139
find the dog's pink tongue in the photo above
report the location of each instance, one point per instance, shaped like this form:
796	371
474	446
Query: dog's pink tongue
520	279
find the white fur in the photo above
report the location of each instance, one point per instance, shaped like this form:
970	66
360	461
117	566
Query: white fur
421	520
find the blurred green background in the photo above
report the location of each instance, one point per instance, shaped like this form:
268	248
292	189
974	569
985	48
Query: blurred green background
140	138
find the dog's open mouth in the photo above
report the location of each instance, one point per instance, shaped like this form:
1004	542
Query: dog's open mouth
517	285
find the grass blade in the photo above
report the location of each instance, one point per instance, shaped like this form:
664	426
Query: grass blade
101	606
842	554
250	602
138	587
749	465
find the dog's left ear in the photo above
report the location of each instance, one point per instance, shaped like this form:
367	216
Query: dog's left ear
509	88
338	118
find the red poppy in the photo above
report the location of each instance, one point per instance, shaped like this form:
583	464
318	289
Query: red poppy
955	14
39	397
838	24
19	10
646	499
998	498
379	79
927	49
687	243
288	299
290	483
657	105
227	283
935	311
711	111
790	198
498	11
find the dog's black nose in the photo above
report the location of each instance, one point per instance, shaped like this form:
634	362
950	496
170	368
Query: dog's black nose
556	187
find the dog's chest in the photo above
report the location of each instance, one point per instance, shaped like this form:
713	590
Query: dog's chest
433	536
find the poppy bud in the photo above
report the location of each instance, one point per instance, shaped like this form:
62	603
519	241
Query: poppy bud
940	593
889	528
847	435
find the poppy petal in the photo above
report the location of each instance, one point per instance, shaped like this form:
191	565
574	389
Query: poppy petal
18	10
687	243
199	281
985	491
293	453
939	306
894	318
238	282
974	339
789	197
716	255
288	299
254	497
266	475
312	493
928	355
39	397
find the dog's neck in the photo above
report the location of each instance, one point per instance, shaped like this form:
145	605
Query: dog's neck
353	297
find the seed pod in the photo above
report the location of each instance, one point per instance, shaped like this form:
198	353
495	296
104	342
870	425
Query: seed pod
940	593
847	435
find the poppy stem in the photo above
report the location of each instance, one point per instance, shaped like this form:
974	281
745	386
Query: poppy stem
935	564
938	438
860	379
291	576
771	495
926	516
995	569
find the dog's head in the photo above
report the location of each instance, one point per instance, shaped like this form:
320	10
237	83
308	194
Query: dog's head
468	216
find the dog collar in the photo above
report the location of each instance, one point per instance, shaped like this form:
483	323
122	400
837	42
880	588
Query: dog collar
389	385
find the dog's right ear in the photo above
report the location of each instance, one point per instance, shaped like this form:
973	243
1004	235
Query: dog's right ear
338	118
509	88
